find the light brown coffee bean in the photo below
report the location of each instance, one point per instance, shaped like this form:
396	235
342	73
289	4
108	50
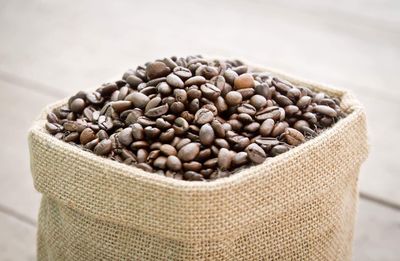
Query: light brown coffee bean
267	127
195	80
293	136
224	159
240	158
326	110
233	98
174	81
194	176
203	116
258	101
87	136
125	136
168	150
244	81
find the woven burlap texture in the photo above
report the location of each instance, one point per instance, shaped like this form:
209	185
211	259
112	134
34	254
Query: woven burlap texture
300	205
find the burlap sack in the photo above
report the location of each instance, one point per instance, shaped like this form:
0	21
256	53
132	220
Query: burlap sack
298	206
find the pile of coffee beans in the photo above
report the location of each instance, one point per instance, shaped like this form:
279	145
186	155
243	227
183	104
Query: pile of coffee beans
192	118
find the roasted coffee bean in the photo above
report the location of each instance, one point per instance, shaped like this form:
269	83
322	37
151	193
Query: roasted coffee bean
233	98
225	159
192	118
244	81
210	91
266	127
206	134
87	135
157	70
293	136
189	151
191	175
255	153
174	81
203	116
168	150
174	163
240	159
139	100
103	147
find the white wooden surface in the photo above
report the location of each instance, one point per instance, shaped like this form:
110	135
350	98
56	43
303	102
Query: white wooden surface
50	49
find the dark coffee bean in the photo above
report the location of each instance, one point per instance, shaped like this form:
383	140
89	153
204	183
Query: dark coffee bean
233	98
180	125
211	163
167	136
252	127
300	124
170	63
102	135
263	90
92	144
293	94
193	166
203	116
268	113
156	101
104	147
189	152
141	155
291	109
220	104
206	134
87	136
156	70
120	106
282	100
174	81
182	143
151	132
177	107
245	118
230	76
144	121
193	93
255	153
244	81
174	163
246	93
222	143
164	89
139	100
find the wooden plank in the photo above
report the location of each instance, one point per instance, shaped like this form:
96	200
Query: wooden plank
377	233
17	240
18	108
74	46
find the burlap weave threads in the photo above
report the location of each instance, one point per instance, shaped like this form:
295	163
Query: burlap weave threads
300	205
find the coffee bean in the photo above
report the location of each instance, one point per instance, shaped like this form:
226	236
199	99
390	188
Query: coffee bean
189	152
193	118
240	159
125	136
267	127
293	136
258	101
191	175
87	136
77	105
244	81
157	111
203	116
168	150
210	91
206	134
174	81
326	110
103	147
156	70
233	98
255	153
174	163
195	80
224	159
139	100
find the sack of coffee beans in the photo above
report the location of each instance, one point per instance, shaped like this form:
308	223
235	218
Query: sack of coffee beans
199	159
